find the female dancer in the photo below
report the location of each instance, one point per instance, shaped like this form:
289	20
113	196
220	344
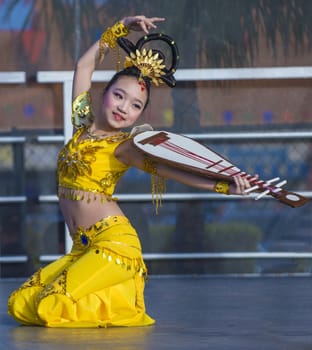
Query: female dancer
100	283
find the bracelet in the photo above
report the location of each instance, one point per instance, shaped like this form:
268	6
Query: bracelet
222	187
150	166
110	36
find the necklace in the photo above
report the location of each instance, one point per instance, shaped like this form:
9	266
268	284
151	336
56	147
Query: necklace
109	137
91	135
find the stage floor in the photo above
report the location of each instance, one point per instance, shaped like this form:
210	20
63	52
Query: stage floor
192	312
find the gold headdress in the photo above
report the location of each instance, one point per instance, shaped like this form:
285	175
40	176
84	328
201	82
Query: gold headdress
151	62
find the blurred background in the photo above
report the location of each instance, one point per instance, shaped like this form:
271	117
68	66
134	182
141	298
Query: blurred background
261	123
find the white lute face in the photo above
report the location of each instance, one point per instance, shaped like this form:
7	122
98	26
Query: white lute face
184	151
190	155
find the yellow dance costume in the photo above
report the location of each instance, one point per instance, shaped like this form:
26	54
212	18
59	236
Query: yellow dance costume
100	283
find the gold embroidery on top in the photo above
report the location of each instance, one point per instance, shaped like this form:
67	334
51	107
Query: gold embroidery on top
110	179
73	164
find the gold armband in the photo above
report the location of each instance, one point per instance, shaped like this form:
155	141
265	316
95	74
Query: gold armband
81	110
150	166
110	36
158	182
222	187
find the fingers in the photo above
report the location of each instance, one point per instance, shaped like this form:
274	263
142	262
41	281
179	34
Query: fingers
147	24
142	23
156	19
241	184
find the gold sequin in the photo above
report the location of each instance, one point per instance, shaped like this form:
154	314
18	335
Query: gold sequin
72	163
110	179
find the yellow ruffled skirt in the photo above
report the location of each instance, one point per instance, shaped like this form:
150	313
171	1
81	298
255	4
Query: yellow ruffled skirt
100	283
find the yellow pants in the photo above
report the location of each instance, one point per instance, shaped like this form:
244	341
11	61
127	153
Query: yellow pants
100	283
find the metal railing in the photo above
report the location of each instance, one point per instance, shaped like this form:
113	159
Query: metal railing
182	256
65	78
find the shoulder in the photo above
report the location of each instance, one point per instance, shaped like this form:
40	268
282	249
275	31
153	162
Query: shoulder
140	128
126	152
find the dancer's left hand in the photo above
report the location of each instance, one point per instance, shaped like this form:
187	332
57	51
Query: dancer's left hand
240	185
141	23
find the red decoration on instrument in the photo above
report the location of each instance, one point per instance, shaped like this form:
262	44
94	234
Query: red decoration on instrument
156	140
185	153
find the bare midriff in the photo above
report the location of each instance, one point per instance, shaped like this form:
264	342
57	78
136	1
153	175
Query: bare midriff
85	214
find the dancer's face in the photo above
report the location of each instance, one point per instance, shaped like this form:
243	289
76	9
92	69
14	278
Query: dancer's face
123	102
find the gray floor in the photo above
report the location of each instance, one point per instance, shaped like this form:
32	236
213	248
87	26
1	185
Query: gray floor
195	312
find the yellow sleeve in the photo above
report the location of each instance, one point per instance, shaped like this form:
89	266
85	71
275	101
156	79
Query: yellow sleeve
81	110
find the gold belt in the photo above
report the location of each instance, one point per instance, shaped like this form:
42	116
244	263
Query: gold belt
87	234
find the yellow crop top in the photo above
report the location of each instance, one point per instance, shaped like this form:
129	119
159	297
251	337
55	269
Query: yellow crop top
89	165
88	168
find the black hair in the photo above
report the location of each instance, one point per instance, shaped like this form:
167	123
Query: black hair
131	72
